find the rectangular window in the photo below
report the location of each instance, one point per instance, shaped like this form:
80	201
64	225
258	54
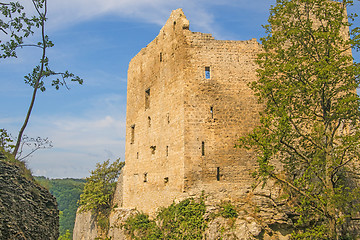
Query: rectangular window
207	72
212	112
132	134
147	98
202	148
145	177
218	173
149	121
161	57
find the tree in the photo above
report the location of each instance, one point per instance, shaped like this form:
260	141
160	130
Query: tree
99	190
17	27
310	122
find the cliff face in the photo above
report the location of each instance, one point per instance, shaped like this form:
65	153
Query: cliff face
261	214
27	211
85	226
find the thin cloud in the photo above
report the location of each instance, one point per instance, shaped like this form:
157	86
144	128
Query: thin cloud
69	12
77	139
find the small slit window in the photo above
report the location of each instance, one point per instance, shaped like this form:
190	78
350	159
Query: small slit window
149	121
153	148
168	118
132	134
147	98
218	173
161	57
207	72
167	151
145	177
212	112
202	148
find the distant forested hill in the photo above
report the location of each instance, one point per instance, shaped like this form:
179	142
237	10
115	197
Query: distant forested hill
67	193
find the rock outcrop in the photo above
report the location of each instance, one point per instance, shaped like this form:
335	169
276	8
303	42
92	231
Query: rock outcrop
27	210
85	226
259	216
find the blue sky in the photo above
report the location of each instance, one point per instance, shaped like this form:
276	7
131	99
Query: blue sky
96	39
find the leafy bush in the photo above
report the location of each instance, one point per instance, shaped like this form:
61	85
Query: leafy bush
141	227
227	210
6	141
184	220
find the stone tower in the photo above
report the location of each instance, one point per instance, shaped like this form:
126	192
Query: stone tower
188	102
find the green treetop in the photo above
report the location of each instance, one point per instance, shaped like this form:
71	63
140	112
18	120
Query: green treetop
310	122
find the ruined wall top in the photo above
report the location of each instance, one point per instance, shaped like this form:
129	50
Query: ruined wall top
177	20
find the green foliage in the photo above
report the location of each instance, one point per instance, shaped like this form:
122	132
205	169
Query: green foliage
100	186
310	123
141	227
99	190
19	26
66	236
67	193
227	210
184	220
6	141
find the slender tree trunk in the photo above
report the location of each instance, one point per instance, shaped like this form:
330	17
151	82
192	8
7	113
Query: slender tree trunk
330	208
21	132
37	81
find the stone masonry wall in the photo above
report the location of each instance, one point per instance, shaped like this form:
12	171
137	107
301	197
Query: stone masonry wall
154	170
218	110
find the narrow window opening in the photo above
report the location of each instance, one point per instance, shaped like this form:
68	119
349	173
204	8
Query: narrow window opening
161	57
166	180
168	118
207	72
218	173
147	98
132	137
137	155
212	112
153	148
149	121
167	150
202	148
145	177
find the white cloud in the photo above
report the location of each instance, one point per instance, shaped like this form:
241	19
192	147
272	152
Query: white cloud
79	143
80	139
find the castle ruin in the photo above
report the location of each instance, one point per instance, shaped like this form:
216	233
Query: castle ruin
188	101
